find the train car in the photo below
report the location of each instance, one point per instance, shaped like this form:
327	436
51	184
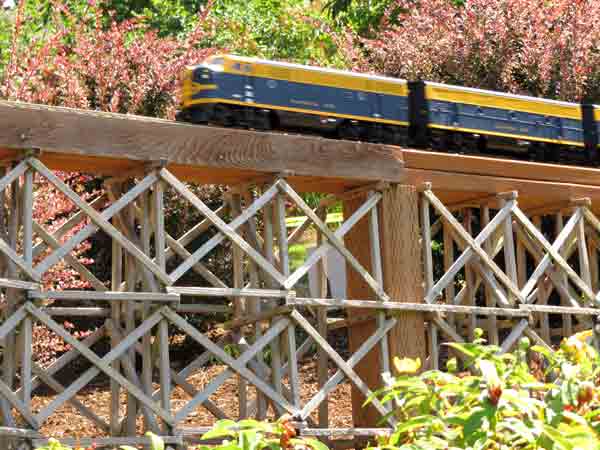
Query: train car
230	90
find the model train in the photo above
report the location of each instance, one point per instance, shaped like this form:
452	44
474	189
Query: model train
229	90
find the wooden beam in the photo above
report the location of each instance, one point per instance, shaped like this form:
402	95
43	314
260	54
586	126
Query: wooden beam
128	137
498	167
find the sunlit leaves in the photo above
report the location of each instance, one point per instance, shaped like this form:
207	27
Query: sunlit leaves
494	401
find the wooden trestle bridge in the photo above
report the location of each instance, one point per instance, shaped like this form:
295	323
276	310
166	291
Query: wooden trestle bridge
520	258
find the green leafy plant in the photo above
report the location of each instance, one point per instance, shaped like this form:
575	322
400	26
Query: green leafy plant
156	443
529	399
256	435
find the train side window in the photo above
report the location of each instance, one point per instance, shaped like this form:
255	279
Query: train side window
272	84
361	96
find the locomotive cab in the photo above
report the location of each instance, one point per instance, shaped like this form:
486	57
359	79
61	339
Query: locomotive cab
199	86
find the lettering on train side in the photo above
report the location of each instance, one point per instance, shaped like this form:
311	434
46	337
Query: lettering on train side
304	102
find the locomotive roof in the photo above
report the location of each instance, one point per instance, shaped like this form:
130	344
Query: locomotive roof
394	80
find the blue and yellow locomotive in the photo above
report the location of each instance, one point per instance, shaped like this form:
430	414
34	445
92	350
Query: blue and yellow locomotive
231	90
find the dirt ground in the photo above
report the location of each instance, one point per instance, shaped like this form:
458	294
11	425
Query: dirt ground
67	421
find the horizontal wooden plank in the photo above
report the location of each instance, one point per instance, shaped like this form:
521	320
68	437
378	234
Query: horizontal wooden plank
397	306
127	137
561	310
226	292
501	167
453	187
18	284
106	295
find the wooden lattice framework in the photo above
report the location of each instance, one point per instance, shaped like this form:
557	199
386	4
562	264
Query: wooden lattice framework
515	262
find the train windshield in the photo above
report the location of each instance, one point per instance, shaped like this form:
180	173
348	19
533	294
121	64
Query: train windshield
216	63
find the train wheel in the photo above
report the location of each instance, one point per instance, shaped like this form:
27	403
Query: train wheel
223	116
350	130
261	120
394	136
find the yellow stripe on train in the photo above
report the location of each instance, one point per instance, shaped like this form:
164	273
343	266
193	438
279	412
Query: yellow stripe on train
320	77
506	102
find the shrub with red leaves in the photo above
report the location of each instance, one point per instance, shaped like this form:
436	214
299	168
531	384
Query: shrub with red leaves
537	47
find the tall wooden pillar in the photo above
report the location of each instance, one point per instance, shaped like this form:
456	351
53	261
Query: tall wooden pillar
403	282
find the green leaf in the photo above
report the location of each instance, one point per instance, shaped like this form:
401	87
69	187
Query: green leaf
156	442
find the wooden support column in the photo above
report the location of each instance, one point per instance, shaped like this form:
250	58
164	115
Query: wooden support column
403	281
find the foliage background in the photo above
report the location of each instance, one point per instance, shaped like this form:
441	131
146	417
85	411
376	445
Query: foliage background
126	56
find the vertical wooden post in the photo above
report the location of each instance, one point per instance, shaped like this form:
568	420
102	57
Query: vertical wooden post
567	319
322	359
239	302
428	277
115	308
403	281
9	359
490	300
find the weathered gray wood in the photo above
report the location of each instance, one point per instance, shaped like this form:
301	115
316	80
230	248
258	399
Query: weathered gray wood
12	322
76	312
322	326
100	364
510	261
582	253
198	308
199	268
69	356
551	309
448	256
397	306
101	221
14	174
111	441
73	221
334	240
91	228
115	388
226	292
338	376
553	250
70	259
159	225
20	262
343	365
194	232
332	432
293	365
490	301
426	230
18	284
434	352
149	420
19	433
226	230
376	267
58	388
321	251
474	246
235	365
19	405
26	361
564	299
485	233
9	356
514	335
170	297
28	218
